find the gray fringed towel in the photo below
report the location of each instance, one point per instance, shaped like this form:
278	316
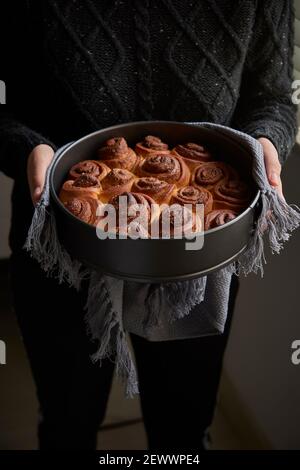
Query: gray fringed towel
161	312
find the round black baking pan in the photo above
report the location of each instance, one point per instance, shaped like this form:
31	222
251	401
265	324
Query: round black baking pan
153	260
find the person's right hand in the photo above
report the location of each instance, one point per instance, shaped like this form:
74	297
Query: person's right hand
38	162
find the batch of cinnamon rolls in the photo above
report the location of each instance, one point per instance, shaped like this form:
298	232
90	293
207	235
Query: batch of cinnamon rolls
152	174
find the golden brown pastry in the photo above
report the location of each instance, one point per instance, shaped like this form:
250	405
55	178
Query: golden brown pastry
208	174
155	175
231	194
89	167
192	153
84	208
116	154
169	168
178	220
116	182
159	190
192	195
84	185
137	214
219	217
150	145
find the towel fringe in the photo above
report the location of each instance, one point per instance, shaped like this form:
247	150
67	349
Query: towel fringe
276	222
104	326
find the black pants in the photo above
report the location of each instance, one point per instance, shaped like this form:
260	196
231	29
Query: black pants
178	380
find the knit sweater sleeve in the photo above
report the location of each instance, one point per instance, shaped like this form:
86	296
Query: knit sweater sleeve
265	107
17	139
16	142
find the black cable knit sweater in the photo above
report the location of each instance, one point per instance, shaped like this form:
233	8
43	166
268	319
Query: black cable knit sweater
74	66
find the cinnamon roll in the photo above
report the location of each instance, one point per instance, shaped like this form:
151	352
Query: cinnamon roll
116	154
208	174
219	217
169	168
192	153
150	145
89	167
116	182
192	195
84	185
159	190
133	214
84	208
178	221
231	194
156	182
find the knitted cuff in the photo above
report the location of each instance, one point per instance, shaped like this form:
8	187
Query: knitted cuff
16	148
282	141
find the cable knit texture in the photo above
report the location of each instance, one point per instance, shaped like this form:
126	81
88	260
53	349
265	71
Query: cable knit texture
90	64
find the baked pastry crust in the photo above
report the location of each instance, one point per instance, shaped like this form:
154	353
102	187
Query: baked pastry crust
150	145
219	217
208	174
84	208
192	195
115	153
161	191
169	168
84	185
192	154
117	181
175	180
89	167
231	194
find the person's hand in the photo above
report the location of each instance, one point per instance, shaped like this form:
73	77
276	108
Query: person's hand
272	164
38	162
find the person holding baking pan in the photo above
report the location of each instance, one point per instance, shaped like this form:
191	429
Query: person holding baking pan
76	66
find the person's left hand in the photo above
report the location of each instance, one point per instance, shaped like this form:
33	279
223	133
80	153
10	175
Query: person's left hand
272	164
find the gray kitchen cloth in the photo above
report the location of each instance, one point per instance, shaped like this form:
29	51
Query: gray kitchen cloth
161	311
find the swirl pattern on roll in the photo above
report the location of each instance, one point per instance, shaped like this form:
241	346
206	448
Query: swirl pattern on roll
134	207
159	190
177	221
219	217
186	176
116	182
208	174
231	194
194	196
151	144
89	167
84	185
192	153
84	208
116	154
169	168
